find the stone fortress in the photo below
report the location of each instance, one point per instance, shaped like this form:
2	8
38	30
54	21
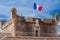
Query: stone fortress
30	27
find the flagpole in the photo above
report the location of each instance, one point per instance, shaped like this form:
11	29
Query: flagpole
35	12
34	9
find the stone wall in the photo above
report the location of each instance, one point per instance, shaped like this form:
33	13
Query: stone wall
33	38
50	29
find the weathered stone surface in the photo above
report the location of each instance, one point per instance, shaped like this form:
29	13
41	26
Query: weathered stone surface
19	26
31	38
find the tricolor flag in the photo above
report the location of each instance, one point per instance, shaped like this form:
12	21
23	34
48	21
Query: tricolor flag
38	7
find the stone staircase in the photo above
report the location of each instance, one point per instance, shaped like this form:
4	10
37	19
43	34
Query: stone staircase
4	36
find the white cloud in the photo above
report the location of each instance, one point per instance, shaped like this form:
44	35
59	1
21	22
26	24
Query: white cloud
58	33
44	15
11	2
30	15
51	5
5	10
59	23
27	10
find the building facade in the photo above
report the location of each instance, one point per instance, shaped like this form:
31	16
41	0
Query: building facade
19	26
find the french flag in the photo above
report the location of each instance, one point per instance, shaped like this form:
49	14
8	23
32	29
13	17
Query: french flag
38	7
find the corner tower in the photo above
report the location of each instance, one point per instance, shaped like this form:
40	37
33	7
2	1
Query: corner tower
18	22
13	10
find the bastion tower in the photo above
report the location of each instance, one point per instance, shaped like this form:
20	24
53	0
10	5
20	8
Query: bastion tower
19	22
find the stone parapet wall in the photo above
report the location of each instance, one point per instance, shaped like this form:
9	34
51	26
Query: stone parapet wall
32	38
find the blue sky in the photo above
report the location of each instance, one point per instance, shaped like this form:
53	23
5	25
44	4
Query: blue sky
50	7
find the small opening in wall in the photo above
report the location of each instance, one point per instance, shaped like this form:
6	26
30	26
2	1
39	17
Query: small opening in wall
36	33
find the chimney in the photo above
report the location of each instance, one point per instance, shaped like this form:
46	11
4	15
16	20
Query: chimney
13	10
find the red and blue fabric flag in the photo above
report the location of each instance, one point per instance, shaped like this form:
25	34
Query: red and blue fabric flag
38	7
